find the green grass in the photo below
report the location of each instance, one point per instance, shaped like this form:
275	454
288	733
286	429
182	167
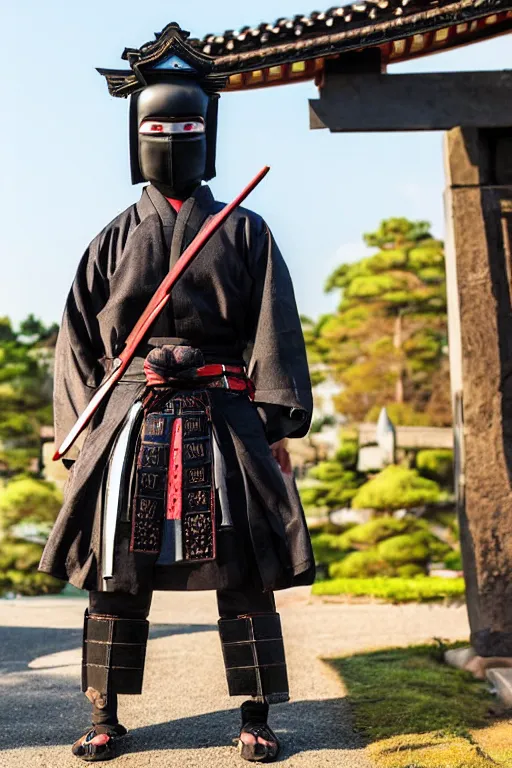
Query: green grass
417	712
411	690
394	590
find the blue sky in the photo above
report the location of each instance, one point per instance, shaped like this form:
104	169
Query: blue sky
64	148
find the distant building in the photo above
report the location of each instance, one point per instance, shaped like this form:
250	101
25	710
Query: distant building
319	445
375	453
410	438
324	408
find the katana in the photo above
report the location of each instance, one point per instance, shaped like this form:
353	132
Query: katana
150	314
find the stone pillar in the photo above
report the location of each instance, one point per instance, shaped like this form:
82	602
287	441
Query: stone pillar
479	275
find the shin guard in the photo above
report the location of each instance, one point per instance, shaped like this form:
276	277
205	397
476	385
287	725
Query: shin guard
114	652
254	657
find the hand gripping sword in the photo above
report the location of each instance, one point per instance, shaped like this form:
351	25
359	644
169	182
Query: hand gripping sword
153	309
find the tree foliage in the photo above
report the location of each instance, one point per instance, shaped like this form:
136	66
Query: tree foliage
28	500
34	329
25	390
27	508
387	341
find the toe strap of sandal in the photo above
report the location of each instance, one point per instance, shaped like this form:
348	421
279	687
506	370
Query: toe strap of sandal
254	721
261	730
97	742
258	751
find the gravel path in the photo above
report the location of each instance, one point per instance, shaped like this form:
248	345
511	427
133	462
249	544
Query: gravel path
185	718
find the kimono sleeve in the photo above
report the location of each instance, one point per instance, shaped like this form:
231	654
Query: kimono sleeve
278	365
79	345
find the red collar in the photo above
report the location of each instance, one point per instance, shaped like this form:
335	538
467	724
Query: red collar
176	204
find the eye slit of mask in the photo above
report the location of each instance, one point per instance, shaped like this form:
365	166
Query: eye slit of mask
171	128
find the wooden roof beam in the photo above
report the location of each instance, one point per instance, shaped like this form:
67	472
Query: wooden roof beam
413	102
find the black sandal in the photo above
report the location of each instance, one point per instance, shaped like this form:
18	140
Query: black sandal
254	721
86	750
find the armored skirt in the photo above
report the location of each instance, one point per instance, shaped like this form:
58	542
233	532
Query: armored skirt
228	517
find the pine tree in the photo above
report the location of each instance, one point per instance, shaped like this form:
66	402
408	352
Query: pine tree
387	342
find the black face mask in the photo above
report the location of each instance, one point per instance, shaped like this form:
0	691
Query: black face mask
171	124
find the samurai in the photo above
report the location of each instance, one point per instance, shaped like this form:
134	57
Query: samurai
183	480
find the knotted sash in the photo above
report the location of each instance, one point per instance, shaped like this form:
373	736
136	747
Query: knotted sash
173	512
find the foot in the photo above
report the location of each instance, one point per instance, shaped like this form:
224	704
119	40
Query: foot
257	742
98	743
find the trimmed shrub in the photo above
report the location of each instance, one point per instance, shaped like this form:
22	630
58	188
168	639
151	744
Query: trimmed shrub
436	464
385	545
343	491
313	495
360	565
417	590
400	550
327	471
397	487
410	571
327	549
368	534
330	485
347	454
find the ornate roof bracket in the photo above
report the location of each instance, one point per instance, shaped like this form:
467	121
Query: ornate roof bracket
153	62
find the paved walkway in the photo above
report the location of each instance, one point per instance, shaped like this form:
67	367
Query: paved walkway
184	718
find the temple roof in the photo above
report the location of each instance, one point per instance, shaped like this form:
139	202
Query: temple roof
296	49
344	26
402	29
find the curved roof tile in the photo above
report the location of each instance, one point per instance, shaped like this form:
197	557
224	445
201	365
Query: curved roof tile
358	24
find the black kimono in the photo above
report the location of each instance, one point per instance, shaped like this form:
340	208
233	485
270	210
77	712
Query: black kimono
236	304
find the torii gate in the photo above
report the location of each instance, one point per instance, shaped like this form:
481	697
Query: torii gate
346	51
